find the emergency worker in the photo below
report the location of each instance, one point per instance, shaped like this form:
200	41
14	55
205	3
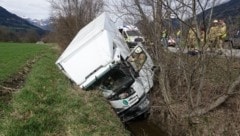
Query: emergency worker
222	33
164	38
214	34
202	34
192	39
178	36
178	33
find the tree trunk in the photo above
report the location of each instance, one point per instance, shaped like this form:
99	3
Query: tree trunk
218	102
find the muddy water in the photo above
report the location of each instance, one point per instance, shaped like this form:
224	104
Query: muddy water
144	128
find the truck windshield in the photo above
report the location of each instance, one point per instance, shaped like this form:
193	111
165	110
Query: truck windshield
115	84
133	33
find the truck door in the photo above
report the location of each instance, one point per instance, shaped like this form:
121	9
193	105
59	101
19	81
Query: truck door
143	66
137	58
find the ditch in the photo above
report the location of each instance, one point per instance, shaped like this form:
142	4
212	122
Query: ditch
144	127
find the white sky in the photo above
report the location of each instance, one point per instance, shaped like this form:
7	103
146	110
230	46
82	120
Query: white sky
35	9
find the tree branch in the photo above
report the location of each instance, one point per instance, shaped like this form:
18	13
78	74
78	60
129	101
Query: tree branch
218	102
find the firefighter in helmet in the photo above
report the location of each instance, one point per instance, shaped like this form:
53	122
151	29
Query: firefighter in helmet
213	34
192	39
222	33
217	34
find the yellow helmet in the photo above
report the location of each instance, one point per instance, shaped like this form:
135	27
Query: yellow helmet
215	21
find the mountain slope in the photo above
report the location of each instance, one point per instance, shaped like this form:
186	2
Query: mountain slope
17	24
44	24
228	10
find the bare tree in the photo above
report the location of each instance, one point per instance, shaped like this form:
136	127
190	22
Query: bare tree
187	87
69	16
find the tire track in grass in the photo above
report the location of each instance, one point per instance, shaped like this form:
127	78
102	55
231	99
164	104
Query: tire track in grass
15	82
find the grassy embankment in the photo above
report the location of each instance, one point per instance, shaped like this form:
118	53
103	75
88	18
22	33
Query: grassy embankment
47	105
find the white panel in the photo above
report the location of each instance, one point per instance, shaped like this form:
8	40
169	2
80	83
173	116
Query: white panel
89	57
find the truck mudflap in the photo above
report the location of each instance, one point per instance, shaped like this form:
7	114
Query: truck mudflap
142	107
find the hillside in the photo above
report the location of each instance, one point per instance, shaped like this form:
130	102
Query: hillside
15	28
44	24
228	11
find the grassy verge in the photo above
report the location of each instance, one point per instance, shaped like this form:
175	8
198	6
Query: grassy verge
13	56
47	105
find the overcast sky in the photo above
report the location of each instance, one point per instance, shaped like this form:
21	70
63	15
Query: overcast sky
35	9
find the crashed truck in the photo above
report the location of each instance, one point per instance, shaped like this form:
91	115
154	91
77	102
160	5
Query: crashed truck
98	58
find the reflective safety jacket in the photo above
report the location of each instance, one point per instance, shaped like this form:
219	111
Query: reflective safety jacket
223	31
191	34
214	33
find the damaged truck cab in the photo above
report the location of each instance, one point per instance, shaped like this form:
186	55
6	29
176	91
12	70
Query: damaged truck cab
98	58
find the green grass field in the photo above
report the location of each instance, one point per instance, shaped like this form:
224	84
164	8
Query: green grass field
47	104
13	56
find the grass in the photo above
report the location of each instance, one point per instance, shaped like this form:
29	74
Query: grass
13	56
47	105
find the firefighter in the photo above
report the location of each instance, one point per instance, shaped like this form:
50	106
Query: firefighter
178	36
214	34
178	33
202	34
192	39
222	33
164	38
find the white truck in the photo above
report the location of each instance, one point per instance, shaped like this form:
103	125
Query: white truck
131	35
99	58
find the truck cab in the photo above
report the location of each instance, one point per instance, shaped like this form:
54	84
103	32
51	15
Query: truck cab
123	85
98	58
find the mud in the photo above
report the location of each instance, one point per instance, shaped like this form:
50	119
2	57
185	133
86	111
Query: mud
144	127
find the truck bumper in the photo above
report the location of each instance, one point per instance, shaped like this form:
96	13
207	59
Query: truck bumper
142	107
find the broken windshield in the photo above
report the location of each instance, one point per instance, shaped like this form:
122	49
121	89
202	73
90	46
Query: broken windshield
116	83
133	33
